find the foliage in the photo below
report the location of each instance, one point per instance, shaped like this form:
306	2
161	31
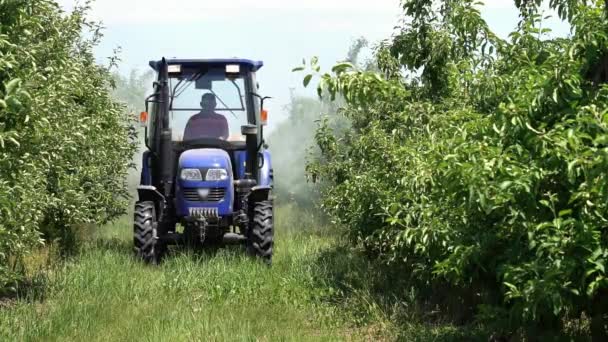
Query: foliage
291	139
480	162
65	145
132	89
288	143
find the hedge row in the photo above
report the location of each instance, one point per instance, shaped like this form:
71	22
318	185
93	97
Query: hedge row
65	144
479	164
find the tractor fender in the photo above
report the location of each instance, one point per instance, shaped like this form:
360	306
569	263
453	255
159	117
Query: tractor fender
259	193
266	172
150	193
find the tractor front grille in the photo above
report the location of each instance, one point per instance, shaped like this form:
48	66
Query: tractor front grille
214	195
191	195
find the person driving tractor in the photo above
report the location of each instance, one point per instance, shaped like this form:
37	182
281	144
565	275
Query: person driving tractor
207	123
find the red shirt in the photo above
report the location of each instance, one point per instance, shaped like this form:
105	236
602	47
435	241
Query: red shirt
211	125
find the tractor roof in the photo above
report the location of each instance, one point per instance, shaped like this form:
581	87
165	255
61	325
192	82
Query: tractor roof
253	65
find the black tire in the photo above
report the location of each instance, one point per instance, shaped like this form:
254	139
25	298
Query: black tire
260	239
147	247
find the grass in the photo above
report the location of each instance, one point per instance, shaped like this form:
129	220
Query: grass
105	294
316	290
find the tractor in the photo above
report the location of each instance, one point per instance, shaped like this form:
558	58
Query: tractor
206	176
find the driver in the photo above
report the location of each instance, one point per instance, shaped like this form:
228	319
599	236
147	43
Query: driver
207	123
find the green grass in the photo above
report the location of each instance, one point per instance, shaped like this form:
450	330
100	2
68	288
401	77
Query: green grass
104	294
316	290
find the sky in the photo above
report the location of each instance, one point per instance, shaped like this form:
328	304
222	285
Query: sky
279	32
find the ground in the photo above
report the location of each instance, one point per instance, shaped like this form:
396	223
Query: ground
104	294
316	290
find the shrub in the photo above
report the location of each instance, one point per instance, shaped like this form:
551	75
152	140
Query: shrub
65	145
480	162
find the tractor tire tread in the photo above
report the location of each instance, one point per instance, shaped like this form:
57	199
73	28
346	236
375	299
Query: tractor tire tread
261	235
146	245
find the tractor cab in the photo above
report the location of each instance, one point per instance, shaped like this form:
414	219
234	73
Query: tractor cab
206	167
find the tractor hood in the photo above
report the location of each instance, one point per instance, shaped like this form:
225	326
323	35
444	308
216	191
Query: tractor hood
205	158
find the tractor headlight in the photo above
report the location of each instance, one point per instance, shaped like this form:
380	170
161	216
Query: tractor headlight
191	175
216	175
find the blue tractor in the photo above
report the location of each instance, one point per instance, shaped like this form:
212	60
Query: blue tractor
207	167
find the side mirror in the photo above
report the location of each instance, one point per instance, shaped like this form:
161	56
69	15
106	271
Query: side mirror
149	99
263	112
251	134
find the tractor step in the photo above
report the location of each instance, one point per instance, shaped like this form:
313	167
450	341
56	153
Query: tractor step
234	239
179	239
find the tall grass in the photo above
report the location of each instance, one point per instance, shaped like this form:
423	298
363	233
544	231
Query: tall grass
105	294
317	289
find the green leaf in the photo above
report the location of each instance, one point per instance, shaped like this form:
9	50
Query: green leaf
600	266
11	139
321	87
555	96
307	80
12	86
13	103
300	68
504	185
511	287
341	67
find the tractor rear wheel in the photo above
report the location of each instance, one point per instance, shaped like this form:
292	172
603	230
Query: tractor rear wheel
260	239
145	236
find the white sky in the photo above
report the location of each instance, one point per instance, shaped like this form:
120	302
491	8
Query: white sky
279	32
114	11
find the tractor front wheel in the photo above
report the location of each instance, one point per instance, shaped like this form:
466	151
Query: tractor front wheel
261	233
145	238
